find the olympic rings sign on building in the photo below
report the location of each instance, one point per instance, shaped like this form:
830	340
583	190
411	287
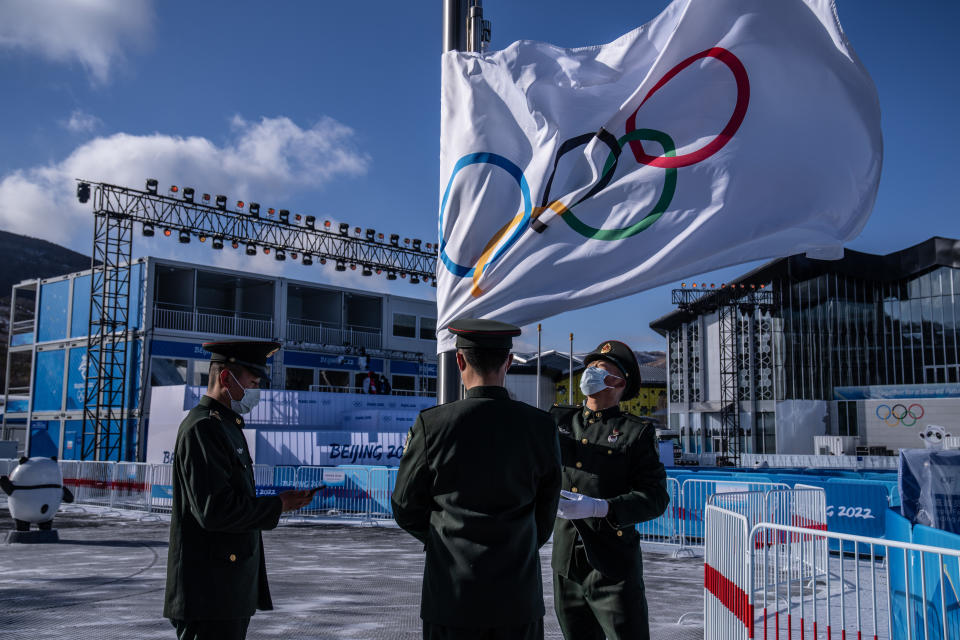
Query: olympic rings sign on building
899	414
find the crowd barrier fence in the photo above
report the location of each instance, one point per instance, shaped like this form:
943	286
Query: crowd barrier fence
775	580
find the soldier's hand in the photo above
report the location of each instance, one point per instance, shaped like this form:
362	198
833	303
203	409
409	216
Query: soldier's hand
574	506
295	499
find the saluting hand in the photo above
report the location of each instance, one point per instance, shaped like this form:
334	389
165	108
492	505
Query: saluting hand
574	506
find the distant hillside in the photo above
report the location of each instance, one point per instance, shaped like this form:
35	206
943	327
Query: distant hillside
25	258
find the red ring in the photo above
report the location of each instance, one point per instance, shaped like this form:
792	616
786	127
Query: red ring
736	119
910	412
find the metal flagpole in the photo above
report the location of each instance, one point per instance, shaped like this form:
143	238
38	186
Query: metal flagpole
461	18
454	39
538	364
570	374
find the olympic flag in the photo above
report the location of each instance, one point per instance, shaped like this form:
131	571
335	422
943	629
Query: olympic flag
721	132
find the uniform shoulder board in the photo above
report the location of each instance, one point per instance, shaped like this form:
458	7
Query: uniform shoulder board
215	414
640	421
564	409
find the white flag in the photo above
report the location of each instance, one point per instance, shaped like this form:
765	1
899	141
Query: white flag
721	132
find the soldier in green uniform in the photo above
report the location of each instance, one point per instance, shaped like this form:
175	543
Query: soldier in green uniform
612	479
216	572
478	484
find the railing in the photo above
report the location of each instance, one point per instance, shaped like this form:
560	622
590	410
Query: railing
217	322
774	580
353	336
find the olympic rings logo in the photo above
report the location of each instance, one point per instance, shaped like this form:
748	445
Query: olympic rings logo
668	160
899	414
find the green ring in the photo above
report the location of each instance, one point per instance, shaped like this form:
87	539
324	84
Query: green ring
666	195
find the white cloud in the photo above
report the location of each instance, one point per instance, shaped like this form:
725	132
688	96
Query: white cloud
265	159
81	122
91	32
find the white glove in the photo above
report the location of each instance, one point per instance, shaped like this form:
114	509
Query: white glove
577	506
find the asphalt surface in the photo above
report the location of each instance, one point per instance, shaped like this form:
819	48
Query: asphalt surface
105	580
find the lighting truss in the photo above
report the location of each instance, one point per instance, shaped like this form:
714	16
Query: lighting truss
727	301
201	219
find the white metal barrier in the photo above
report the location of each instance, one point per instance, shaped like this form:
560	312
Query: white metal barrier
726	611
694	494
345	494
818	461
870	592
161	488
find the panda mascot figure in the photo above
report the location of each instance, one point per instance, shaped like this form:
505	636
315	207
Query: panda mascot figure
933	436
35	490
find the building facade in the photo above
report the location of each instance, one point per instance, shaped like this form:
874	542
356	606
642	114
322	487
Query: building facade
335	340
865	348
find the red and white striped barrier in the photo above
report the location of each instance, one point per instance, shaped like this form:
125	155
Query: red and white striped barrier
727	613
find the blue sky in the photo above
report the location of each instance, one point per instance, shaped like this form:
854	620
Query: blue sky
333	109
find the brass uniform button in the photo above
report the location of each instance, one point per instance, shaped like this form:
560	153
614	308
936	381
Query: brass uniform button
584	441
591	421
233	557
579	465
238	420
609	451
619	533
598	414
573	489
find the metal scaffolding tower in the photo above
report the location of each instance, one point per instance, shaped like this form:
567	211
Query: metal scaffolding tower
108	405
729	302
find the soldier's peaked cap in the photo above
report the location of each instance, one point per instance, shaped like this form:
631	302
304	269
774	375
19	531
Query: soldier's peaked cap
252	354
621	356
483	334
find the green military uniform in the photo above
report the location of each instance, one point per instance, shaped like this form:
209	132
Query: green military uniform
216	572
478	484
597	562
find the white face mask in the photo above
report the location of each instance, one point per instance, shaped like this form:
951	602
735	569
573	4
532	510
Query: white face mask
249	400
593	380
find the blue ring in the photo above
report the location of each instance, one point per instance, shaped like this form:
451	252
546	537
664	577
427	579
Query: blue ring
517	174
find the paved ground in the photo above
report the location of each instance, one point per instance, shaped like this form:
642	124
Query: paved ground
105	580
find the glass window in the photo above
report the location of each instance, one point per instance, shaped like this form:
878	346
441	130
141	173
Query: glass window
298	379
428	385
404	325
334	378
166	372
428	328
52	324
404	383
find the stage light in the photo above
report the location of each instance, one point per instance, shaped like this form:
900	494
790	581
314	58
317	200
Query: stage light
429	246
293	255
271	211
371	234
148	230
380	237
83	192
206	198
353	266
683	285
311	222
266	251
356	231
434	283
167	232
416	244
284	215
391	275
251	249
240	204
298	217
255	209
174	188
188	194
394	239
235	244
280	254
379	271
406	241
341	266
202	238
323	261
184	236
403	274
414	279
222	203
307	259
217	243
326	224
366	270
152	186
